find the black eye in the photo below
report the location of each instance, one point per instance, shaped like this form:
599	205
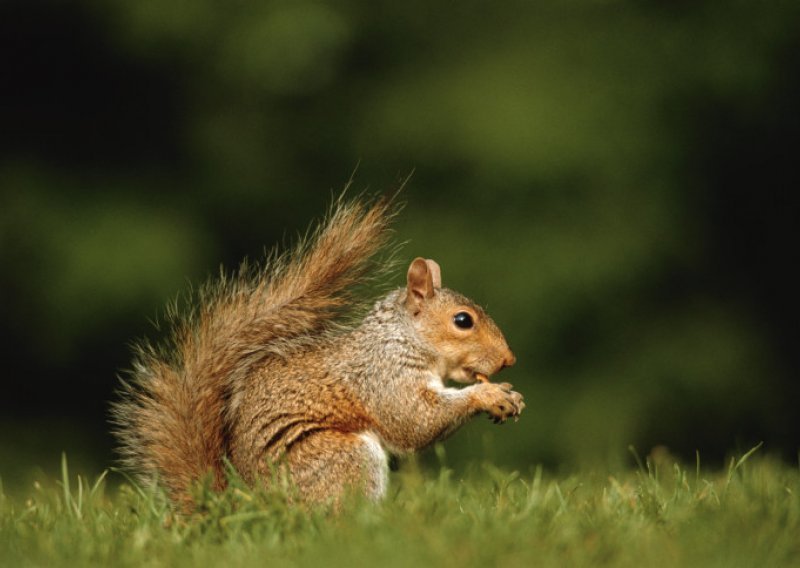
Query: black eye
463	320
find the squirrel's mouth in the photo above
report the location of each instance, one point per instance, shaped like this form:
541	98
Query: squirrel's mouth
480	377
472	376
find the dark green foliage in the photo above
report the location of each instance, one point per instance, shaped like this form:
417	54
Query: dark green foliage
614	180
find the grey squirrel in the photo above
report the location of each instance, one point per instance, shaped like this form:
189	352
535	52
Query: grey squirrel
261	371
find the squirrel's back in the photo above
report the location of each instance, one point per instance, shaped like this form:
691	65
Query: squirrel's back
173	420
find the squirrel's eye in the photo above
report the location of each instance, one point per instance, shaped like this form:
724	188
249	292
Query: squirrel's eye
463	320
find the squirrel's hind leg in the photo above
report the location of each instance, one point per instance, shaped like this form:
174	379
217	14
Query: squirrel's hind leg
327	465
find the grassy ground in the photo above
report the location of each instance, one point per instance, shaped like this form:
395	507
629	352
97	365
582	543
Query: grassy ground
661	514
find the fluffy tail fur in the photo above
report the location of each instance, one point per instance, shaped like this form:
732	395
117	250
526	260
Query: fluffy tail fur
171	420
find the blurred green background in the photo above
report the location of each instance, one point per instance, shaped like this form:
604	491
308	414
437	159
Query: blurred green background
615	180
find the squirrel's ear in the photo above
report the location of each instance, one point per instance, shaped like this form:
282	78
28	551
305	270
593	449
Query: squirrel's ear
423	277
436	272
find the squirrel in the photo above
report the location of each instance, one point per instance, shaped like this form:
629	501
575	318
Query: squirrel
261	370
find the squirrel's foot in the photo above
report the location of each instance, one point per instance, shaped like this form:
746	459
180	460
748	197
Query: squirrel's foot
499	401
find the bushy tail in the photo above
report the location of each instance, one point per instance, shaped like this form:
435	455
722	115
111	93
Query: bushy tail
171	419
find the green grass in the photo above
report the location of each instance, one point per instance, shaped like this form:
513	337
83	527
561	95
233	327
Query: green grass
661	514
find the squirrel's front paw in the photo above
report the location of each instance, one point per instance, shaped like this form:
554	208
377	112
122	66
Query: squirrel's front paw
499	401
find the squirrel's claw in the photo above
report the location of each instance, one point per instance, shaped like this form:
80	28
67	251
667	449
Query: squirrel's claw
500	401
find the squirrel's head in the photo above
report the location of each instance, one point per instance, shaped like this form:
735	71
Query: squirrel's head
470	345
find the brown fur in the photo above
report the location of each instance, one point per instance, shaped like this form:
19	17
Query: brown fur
260	371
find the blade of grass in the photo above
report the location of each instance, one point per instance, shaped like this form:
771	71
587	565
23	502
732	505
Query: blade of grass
79	505
636	457
149	499
736	464
65	482
696	469
100	479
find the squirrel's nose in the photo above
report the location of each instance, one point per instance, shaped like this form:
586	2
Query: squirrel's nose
509	360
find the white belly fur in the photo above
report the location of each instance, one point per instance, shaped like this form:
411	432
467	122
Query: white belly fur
377	466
